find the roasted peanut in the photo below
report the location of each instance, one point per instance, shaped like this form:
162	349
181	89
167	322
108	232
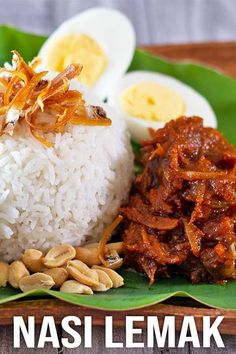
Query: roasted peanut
82	273
59	255
4	269
88	256
74	287
91	245
89	253
59	276
113	260
116	279
36	281
32	258
116	246
105	282
17	271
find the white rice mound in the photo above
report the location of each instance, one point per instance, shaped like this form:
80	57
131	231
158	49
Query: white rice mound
65	194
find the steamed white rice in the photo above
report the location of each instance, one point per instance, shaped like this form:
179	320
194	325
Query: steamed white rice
65	194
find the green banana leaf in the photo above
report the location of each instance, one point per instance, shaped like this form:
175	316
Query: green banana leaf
220	91
137	294
13	39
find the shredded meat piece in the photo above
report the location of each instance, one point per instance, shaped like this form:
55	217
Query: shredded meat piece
181	217
145	218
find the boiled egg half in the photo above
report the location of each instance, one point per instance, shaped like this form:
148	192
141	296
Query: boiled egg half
101	39
149	100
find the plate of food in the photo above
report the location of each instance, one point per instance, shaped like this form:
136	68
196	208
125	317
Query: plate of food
118	174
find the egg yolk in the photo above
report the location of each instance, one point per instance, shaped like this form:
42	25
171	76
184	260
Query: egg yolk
78	49
152	101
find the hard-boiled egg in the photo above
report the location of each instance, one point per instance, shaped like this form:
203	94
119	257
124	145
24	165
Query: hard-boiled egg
149	100
101	39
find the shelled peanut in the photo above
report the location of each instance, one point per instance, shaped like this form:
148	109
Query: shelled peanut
75	270
4	271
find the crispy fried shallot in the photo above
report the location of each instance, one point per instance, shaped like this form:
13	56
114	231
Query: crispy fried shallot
25	94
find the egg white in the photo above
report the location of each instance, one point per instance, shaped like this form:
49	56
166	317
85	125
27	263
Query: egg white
115	34
196	104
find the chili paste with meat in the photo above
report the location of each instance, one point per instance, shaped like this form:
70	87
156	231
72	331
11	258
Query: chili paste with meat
181	217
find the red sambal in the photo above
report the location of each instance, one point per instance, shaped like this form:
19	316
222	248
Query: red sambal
181	217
